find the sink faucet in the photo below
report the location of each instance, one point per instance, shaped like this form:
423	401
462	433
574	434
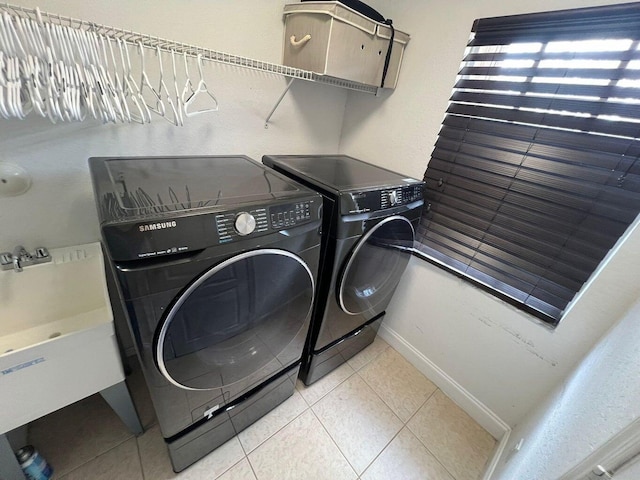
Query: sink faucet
21	258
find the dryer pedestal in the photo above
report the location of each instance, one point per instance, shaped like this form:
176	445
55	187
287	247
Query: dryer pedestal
324	361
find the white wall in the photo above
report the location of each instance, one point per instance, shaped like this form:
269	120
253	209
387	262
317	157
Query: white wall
493	351
59	209
598	400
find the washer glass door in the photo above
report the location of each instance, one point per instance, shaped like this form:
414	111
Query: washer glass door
240	321
375	267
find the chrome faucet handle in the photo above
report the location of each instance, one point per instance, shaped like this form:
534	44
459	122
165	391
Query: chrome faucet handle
6	261
40	252
41	255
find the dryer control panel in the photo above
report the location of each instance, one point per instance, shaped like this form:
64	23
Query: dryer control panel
355	202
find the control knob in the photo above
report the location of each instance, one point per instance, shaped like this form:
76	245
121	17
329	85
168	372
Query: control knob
245	223
393	197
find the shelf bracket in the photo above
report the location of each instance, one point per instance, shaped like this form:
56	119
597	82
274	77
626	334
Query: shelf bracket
275	107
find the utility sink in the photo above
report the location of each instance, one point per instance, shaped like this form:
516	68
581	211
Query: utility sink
57	341
49	300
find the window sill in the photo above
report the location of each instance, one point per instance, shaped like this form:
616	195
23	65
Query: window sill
540	318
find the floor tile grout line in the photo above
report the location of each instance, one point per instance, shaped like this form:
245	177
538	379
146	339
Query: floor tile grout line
255	474
421	442
379	396
335	443
355	372
382	451
405	424
422	406
272	435
332	388
370	360
390	407
344	380
144	475
433	455
222	473
381	399
383	448
99	455
243	458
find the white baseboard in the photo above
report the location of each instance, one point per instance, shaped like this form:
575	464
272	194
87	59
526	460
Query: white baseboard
471	405
498	452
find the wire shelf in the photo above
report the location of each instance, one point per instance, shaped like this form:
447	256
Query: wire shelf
166	45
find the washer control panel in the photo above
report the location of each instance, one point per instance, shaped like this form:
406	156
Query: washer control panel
231	226
247	223
282	216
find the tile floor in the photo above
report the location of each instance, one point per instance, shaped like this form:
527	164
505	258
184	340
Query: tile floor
376	417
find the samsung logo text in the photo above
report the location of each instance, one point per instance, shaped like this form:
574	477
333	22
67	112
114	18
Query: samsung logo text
157	226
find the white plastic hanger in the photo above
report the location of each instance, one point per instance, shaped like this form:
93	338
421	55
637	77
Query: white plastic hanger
179	105
144	115
119	87
18	100
30	66
201	88
3	84
111	93
146	84
86	91
163	91
4	72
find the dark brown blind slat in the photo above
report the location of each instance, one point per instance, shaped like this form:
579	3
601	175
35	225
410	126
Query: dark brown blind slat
593	73
557	89
584	107
552	55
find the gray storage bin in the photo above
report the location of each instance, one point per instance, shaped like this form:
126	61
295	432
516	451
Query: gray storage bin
330	38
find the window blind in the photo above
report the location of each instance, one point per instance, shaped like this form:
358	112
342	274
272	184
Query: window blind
535	173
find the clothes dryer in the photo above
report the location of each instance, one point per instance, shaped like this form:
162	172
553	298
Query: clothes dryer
369	219
215	259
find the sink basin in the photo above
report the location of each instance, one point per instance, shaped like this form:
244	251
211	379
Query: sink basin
52	299
57	341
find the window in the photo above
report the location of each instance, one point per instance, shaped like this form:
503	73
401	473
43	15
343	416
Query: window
536	173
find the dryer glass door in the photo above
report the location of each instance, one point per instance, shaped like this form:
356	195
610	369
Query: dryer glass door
238	323
375	266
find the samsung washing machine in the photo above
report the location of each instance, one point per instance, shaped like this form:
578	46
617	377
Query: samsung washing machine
215	259
369	218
